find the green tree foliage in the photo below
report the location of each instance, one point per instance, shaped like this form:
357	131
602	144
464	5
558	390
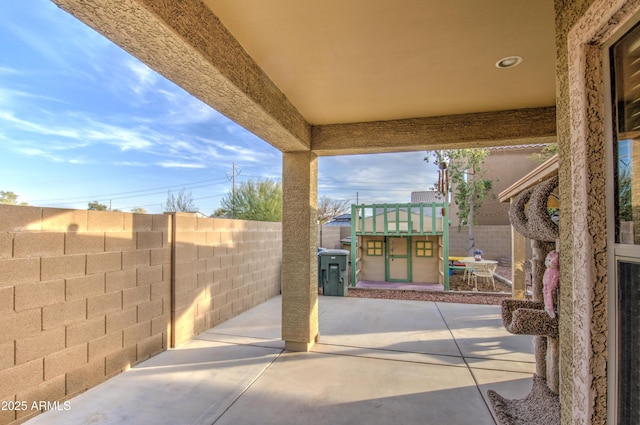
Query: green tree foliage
545	153
466	183
138	210
10	198
96	206
220	212
625	208
181	203
259	200
329	208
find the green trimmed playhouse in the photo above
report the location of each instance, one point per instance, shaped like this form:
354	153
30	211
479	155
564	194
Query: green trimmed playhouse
400	243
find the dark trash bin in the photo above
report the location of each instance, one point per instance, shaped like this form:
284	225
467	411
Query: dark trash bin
333	272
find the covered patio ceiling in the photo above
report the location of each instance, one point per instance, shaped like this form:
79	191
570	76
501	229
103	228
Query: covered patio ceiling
361	60
360	76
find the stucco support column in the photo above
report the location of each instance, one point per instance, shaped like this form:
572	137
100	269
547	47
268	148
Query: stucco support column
299	250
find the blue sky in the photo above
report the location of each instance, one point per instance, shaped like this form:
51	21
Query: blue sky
82	120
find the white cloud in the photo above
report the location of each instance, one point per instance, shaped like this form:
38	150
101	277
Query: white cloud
130	164
80	161
9	71
11	96
79	132
246	154
173	164
171	96
38	128
123	138
144	77
375	178
30	151
184	109
182	146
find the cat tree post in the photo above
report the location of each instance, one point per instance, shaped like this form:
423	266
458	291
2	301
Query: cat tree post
529	216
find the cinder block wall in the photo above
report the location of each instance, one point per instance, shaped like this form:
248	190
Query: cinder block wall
494	241
330	236
222	268
85	295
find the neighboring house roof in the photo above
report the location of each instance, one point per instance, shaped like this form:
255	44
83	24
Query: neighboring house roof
426	197
516	147
341	220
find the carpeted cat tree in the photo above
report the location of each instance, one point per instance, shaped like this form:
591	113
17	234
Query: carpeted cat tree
530	217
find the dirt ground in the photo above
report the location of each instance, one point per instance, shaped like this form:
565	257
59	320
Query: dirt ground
461	291
457	283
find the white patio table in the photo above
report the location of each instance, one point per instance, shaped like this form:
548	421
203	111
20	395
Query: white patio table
479	268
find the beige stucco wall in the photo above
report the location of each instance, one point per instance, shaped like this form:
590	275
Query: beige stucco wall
372	268
581	29
426	269
85	295
504	166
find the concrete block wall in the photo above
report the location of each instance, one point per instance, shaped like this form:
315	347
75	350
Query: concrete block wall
85	295
329	236
222	268
494	241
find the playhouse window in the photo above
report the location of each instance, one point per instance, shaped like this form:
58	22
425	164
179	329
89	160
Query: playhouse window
374	248
424	249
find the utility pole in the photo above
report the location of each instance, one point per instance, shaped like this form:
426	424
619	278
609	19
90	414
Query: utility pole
233	177
235	171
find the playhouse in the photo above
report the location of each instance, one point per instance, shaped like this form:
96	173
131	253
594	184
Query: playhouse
400	243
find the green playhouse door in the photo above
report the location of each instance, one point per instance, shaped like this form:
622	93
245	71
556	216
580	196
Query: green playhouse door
398	259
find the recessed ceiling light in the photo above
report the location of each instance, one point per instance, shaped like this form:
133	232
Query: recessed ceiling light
509	62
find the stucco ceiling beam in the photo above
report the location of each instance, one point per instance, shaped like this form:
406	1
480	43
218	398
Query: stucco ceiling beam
502	128
185	42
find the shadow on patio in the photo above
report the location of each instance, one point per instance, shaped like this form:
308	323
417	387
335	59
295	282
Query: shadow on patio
377	362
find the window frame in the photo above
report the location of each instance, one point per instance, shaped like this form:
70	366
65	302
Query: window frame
371	246
617	251
425	249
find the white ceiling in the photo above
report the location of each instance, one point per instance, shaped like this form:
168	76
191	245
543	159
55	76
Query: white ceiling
343	61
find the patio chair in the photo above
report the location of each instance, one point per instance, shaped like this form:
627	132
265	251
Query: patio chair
468	270
485	271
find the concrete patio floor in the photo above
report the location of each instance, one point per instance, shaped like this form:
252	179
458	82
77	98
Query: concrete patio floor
377	362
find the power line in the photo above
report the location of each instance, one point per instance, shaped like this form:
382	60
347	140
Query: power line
111	195
155	204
